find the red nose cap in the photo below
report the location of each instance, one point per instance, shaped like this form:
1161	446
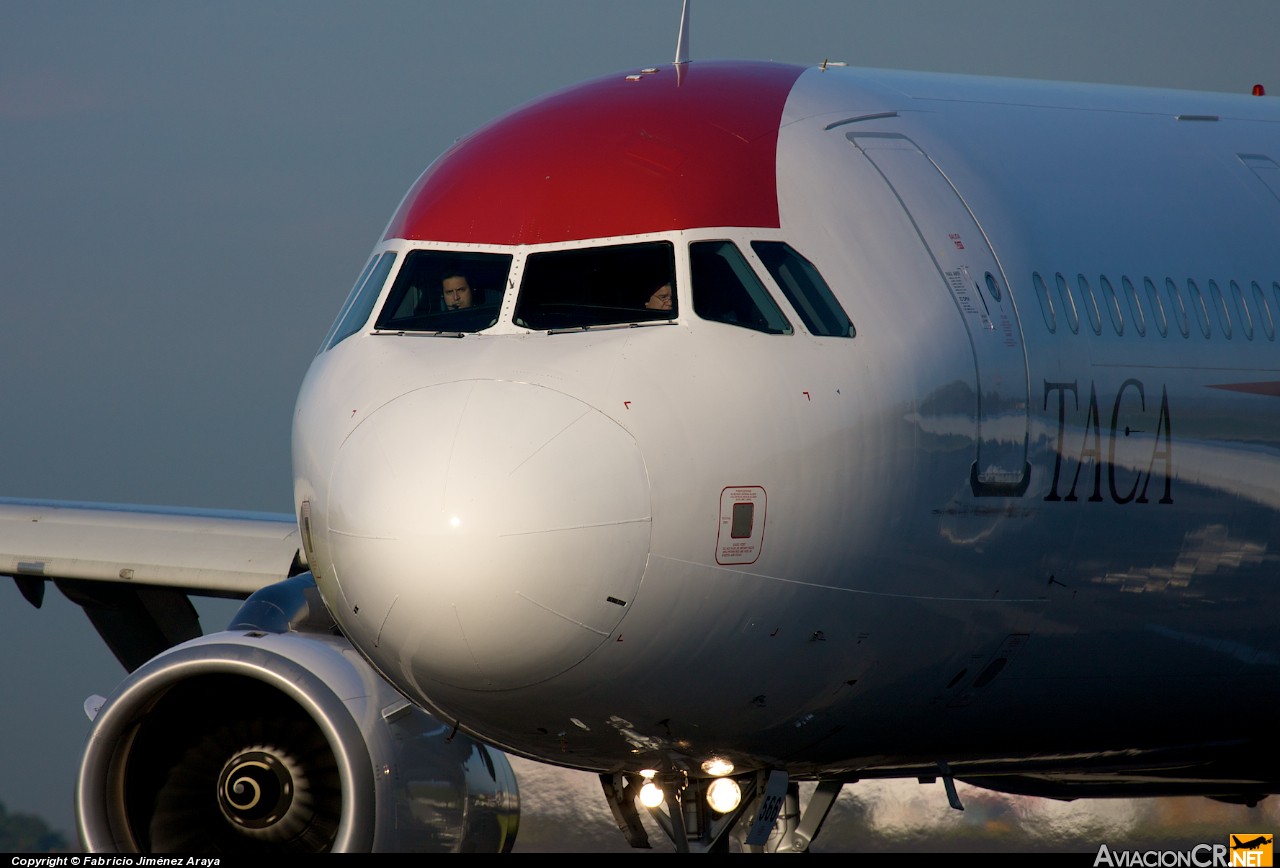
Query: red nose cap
655	151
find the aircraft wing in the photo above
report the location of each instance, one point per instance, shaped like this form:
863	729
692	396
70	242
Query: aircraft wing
132	567
293	705
214	553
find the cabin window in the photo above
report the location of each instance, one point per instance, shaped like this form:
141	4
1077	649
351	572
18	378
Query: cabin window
1046	302
1275	293
598	286
993	286
1135	306
804	287
1242	310
1068	303
1178	308
1220	304
1090	304
445	292
1112	304
1157	307
1198	307
727	290
1264	311
359	303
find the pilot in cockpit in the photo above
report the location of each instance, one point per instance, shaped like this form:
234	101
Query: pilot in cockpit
456	292
660	298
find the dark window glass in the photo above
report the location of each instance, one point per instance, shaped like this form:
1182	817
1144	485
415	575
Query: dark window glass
361	300
993	287
1264	311
1112	304
1198	308
1090	304
1135	306
1220	305
1046	301
805	289
1068	303
1157	308
1275	293
1242	310
445	291
726	290
1177	307
598	286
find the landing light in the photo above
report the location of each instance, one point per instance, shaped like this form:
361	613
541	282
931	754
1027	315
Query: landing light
723	795
717	767
455	522
651	795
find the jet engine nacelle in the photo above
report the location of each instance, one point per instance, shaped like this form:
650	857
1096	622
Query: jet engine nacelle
260	742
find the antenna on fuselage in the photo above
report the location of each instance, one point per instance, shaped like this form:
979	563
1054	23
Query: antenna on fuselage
682	41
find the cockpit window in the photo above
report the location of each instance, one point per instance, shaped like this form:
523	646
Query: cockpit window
574	289
359	303
445	291
805	289
727	290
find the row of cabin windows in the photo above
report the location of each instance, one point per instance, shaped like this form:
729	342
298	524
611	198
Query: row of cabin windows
1183	306
570	290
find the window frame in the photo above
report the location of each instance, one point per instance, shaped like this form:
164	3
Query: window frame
818	293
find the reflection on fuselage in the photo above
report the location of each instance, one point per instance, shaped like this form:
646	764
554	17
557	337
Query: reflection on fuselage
853	470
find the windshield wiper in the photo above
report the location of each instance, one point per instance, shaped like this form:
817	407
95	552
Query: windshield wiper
385	332
610	325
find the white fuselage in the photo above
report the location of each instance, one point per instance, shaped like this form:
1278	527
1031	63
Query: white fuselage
1024	516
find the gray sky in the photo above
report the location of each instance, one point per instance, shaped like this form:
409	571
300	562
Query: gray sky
188	190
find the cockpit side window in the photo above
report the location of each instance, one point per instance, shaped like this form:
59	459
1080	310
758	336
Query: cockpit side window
727	290
805	289
593	286
360	302
446	291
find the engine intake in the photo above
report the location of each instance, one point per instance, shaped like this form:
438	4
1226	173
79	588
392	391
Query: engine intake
255	742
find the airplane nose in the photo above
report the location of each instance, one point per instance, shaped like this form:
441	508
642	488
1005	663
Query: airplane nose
486	534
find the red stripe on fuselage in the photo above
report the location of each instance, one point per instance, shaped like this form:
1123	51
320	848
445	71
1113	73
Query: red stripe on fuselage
679	148
1266	387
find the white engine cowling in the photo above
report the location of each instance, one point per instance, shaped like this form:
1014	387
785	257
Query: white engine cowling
260	742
